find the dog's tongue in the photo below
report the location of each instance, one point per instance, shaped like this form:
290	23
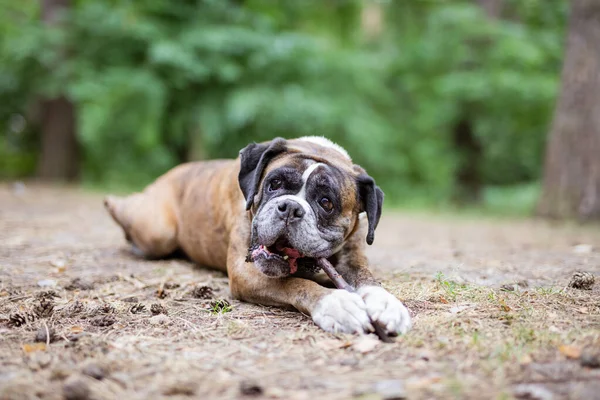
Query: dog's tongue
291	253
293	256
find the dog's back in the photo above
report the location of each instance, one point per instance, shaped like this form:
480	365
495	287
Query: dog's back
179	211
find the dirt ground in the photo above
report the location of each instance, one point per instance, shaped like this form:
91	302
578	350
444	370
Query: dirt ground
80	317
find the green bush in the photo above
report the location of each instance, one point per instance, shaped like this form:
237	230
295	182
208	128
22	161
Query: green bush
156	83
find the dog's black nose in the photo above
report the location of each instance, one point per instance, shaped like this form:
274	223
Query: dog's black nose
290	210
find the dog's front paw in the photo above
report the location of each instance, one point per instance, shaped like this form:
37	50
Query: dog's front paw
342	311
385	308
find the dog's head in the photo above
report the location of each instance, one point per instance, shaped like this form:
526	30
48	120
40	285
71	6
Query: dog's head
305	196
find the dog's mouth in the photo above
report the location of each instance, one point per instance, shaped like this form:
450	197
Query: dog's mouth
281	250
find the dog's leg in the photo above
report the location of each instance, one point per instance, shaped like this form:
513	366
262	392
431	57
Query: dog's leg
148	219
382	306
334	310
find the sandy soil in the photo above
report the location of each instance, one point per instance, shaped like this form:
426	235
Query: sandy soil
121	327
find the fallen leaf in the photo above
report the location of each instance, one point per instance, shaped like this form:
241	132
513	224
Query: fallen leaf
60	270
443	300
33	347
503	306
366	344
570	351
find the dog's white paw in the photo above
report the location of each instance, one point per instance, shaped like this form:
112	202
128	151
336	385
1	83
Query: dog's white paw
385	308
342	311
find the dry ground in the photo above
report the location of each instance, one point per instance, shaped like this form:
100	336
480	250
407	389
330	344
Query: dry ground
64	268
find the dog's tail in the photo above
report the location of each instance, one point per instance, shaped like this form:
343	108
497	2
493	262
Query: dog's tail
114	205
147	220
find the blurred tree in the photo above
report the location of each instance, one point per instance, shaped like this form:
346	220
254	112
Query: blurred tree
59	158
571	185
493	8
469	151
158	82
469	169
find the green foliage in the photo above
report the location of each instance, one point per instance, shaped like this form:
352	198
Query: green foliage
156	83
498	74
221	306
450	287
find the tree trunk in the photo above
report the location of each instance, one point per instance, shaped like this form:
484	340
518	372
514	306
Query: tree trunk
571	187
59	156
469	178
59	150
493	8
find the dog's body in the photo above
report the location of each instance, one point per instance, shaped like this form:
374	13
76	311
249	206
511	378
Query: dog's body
299	200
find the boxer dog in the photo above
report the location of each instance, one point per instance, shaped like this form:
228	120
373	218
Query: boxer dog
265	218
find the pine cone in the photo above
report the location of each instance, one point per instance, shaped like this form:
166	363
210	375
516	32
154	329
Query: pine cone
46	294
17	320
202	292
22	318
45	308
137	308
582	280
77	307
14	291
104	320
106	308
156	309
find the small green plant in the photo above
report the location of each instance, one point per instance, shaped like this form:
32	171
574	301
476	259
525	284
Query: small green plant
548	290
525	334
450	287
220	306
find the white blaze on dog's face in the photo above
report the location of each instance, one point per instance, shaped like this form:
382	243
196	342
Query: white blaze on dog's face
300	215
305	201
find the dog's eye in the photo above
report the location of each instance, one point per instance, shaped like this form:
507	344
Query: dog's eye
275	184
326	204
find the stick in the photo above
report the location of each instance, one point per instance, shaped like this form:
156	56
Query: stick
47	334
341	283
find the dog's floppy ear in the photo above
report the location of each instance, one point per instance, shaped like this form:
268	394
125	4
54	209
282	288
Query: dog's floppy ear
371	198
254	159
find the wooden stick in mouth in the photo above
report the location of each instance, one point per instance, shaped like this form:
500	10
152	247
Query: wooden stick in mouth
341	283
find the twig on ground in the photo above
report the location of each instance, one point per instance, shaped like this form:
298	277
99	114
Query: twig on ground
47	334
341	283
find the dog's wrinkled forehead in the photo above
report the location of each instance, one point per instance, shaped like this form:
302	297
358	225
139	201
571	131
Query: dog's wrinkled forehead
305	175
